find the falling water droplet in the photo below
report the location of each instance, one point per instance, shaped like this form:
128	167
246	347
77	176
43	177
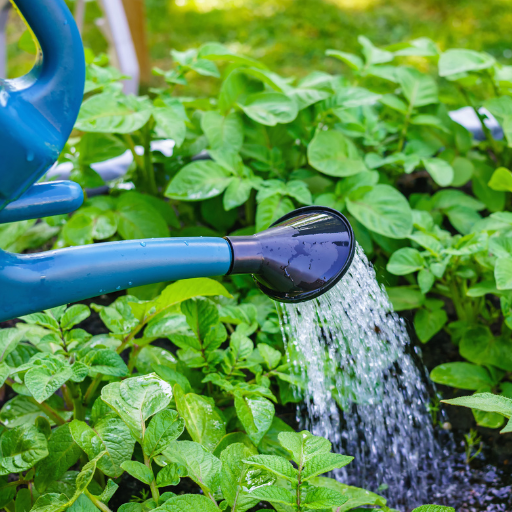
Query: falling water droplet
30	156
101	291
129	283
143	244
186	243
118	287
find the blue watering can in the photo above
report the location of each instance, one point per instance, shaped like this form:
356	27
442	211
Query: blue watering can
298	258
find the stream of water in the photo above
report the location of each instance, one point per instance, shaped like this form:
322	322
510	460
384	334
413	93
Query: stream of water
352	352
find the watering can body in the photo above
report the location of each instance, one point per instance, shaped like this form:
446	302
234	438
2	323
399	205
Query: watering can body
38	111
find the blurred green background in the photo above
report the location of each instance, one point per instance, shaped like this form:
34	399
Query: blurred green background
291	36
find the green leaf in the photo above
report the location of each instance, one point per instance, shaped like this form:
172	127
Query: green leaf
74	315
137	399
7	494
418	88
256	415
356	497
235	478
428	323
23	500
51	502
384	210
202	466
279	466
63	453
138	219
270	108
204	423
44	379
323	463
138	471
462	375
270	355
185	289
501	180
274	494
198	181
271	209
372	54
105	362
303	446
353	61
169	125
163	428
462	171
494	200
21	448
9	339
331	153
404	298
457	61
405	261
189	503
480	346
462	218
223	131
440	171
238	192
83	504
503	273
487	402
483	288
320	498
111	435
21	410
114	113
433	508
170	475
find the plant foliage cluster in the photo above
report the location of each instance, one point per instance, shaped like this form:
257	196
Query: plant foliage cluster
185	386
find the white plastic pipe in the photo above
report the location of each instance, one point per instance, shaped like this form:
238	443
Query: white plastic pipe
118	31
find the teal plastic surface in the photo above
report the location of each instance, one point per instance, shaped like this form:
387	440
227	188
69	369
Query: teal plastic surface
33	282
38	111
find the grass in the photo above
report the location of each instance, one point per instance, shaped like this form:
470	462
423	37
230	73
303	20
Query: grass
291	36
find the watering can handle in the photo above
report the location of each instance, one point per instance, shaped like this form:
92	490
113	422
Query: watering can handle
38	111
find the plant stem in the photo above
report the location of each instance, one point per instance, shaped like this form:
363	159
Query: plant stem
138	160
99	504
67	397
154	490
133	357
455	296
16	483
78	406
92	389
485	129
49	411
401	142
148	161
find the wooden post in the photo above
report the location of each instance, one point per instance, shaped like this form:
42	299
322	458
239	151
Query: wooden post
136	16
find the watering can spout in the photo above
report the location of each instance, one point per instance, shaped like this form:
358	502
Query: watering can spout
38	111
298	258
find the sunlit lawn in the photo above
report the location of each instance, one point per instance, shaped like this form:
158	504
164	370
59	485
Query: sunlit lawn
291	36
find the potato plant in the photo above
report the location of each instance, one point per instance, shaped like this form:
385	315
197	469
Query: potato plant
186	382
203	409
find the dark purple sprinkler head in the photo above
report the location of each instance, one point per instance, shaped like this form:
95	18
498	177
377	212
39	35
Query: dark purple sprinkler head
301	256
